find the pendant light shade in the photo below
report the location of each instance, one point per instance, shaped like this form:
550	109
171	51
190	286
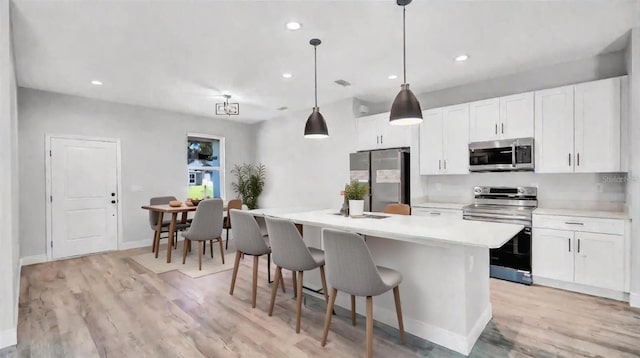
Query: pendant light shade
405	109
316	126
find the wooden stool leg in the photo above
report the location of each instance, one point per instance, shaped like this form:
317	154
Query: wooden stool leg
282	282
327	317
221	250
396	296
200	254
184	251
299	301
255	281
324	284
353	310
369	326
274	290
295	284
235	272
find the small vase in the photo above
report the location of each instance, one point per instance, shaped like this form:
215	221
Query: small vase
356	207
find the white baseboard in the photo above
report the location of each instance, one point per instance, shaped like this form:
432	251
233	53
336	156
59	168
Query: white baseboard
576	287
135	244
478	328
8	338
32	260
634	300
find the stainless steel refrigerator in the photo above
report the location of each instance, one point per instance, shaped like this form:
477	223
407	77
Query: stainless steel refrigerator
386	172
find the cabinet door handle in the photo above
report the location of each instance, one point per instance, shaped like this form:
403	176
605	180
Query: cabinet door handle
381	141
569	159
377	139
502	128
578	245
496	128
434	213
445	164
573	223
569	240
439	164
578	159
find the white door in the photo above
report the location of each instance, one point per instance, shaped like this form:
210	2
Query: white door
552	254
600	260
368	132
516	116
597	123
84	194
484	118
554	130
456	139
431	140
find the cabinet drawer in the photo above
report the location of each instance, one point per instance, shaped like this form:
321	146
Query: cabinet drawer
579	224
432	212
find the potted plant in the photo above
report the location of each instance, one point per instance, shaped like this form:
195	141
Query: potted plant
249	183
355	192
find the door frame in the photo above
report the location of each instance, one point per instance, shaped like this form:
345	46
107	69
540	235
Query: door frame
48	188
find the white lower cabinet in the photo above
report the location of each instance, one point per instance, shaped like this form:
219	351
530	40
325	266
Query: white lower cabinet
563	252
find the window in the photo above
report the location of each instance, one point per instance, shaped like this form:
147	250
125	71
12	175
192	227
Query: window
205	162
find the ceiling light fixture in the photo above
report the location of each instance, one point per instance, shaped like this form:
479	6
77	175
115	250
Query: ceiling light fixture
392	77
287	75
96	83
405	109
316	126
293	26
461	58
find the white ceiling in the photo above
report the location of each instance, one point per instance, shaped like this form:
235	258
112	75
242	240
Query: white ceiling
179	55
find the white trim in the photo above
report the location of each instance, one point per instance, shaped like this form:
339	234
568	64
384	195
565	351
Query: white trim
634	300
478	328
222	168
48	189
32	260
576	287
127	245
8	338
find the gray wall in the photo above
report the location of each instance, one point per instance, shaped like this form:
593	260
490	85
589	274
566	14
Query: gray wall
9	254
154	157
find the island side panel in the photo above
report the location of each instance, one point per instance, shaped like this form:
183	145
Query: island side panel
312	238
478	297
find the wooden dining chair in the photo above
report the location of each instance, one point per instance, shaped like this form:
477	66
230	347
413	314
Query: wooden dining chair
400	209
232	204
153	223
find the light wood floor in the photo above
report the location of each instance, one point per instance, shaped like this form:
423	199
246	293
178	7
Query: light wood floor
109	306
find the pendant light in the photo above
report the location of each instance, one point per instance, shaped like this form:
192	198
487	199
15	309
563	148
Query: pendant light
405	109
316	127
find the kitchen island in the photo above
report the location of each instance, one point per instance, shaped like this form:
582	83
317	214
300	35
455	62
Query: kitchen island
444	263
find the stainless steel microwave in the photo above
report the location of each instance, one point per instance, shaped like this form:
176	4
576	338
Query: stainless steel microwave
501	155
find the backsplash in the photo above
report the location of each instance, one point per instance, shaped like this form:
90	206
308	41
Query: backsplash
579	191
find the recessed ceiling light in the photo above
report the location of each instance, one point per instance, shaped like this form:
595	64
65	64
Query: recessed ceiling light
293	26
96	83
287	75
392	77
461	58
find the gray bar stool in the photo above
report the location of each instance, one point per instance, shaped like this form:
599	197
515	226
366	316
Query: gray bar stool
206	226
290	253
249	241
350	268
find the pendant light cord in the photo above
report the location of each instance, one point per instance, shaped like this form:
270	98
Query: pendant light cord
315	72
404	42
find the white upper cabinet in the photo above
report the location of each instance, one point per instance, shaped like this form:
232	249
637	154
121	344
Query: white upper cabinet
516	116
577	128
501	118
484	120
375	132
431	142
554	130
444	138
597	126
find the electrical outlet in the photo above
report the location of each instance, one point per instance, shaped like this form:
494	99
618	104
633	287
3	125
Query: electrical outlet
599	187
438	187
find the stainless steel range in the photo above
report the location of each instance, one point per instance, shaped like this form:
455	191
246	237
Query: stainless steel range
513	205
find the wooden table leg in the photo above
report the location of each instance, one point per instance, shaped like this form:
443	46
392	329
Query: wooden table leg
183	220
172	231
156	238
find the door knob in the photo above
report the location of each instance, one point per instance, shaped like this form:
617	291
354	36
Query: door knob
113	201
113	194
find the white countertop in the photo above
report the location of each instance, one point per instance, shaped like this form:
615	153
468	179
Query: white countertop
416	229
623	215
439	205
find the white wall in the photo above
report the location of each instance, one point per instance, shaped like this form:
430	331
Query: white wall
306	172
633	65
9	254
154	155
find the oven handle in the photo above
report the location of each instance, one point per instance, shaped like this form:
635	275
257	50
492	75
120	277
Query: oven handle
513	154
497	216
526	223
